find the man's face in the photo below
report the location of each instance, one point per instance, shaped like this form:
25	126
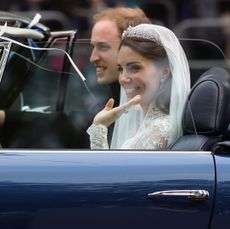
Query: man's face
105	41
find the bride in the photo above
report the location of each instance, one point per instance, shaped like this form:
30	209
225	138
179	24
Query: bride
155	80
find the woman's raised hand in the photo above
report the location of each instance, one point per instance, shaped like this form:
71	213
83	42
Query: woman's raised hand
109	114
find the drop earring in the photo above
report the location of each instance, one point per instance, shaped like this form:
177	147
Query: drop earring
162	82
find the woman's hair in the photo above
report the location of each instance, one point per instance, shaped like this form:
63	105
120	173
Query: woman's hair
123	17
155	52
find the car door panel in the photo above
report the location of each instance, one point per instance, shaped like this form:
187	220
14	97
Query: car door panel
222	201
104	189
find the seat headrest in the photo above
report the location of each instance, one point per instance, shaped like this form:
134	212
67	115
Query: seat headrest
207	110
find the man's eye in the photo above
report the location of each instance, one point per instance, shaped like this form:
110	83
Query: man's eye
103	47
119	69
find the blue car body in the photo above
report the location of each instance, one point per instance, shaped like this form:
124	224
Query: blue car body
74	189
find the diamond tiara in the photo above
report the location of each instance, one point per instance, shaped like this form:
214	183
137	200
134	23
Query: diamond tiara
140	33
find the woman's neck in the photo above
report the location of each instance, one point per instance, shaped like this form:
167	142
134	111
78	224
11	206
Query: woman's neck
145	106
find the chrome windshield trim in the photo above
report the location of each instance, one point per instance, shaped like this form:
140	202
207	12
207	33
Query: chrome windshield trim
4	56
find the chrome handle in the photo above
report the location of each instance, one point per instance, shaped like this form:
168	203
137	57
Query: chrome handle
190	194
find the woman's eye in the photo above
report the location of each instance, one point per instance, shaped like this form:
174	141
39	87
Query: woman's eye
134	68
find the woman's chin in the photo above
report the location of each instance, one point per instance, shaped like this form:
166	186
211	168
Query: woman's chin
129	97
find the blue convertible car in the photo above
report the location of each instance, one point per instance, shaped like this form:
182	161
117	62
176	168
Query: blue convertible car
53	186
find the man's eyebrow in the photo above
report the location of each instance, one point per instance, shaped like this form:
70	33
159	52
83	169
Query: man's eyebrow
99	43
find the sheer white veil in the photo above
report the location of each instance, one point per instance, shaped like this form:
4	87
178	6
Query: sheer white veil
127	125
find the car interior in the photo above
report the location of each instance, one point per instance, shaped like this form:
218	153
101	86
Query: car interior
48	84
207	113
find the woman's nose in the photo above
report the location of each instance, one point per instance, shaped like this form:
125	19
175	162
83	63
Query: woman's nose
124	79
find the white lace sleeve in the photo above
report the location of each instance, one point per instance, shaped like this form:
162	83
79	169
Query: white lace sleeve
98	136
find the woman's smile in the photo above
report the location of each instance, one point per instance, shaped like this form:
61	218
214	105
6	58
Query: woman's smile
131	91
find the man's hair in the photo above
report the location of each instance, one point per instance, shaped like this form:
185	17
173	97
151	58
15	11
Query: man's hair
123	17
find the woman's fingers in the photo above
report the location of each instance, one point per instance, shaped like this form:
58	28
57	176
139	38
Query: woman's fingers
109	114
109	104
135	100
105	116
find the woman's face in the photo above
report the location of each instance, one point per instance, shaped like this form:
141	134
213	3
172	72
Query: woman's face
139	75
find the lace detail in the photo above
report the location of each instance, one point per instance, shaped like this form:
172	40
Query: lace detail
98	136
153	133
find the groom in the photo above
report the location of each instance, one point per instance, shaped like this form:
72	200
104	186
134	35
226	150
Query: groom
57	130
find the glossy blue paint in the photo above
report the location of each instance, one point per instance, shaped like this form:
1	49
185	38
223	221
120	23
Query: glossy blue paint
221	216
103	189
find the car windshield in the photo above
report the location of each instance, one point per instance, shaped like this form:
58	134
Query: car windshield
46	82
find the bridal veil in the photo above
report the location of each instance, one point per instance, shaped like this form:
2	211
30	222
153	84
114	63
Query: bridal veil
127	125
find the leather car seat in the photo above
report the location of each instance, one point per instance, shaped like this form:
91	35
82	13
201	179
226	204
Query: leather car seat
207	112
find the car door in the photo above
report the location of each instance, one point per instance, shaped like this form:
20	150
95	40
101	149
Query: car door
221	207
83	189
